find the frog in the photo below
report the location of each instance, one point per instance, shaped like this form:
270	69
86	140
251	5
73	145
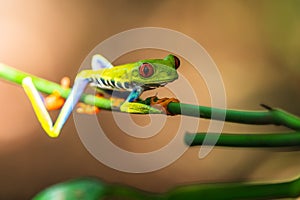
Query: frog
133	78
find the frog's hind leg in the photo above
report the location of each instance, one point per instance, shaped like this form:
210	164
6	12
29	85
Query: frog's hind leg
53	130
99	62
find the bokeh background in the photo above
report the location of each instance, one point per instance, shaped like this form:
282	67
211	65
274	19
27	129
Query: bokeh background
255	44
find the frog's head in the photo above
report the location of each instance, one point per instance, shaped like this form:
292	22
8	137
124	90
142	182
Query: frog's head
155	72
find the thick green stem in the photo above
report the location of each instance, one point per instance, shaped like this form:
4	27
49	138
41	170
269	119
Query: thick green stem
290	139
95	189
228	191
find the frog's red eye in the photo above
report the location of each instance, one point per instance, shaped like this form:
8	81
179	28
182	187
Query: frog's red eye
177	62
146	70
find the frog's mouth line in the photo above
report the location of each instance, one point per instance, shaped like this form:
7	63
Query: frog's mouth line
153	86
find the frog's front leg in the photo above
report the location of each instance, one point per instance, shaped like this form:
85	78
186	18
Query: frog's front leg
131	107
43	116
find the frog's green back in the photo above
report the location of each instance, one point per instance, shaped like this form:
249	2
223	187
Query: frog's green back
145	73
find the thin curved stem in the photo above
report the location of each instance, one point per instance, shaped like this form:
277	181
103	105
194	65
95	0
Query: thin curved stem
270	116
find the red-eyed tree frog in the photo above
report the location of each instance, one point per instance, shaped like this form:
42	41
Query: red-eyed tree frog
132	77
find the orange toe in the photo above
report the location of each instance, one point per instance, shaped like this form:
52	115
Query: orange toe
65	82
87	109
162	104
54	101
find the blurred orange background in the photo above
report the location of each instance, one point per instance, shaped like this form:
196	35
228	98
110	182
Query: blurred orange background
255	44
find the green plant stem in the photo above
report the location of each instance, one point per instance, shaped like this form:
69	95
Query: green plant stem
228	191
10	74
289	139
95	189
270	116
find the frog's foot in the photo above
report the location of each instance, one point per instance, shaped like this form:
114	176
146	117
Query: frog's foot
54	101
116	102
139	108
162	104
83	108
